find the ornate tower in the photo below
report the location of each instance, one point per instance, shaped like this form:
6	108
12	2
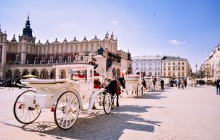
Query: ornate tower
27	33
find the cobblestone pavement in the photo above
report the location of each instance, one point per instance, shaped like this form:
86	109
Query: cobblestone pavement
191	114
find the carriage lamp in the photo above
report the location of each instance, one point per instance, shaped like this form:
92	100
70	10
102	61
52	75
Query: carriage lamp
52	109
20	106
34	101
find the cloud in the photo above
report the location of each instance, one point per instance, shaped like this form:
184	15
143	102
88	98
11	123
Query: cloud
115	22
175	42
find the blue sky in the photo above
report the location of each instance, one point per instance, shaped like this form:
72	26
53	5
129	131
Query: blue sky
185	28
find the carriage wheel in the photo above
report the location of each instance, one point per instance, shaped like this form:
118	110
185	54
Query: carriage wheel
139	91
67	110
23	113
107	103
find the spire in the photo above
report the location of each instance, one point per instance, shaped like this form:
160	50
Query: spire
95	37
47	42
116	40
112	36
74	39
85	38
106	35
56	40
28	17
13	39
27	30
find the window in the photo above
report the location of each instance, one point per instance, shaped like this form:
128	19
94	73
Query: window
178	67
81	57
69	58
164	63
173	67
173	63
182	63
164	67
43	59
164	74
36	59
168	67
179	63
168	63
60	59
51	59
169	74
182	68
183	74
17	58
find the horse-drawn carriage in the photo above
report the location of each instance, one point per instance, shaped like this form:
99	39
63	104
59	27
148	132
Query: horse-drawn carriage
66	96
134	85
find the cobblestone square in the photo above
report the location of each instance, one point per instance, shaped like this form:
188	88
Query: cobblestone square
190	114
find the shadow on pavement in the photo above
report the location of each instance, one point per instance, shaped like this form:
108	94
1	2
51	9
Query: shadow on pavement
153	95
98	125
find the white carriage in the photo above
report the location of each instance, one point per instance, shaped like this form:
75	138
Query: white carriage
133	85
66	96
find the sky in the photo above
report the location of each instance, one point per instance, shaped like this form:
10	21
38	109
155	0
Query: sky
186	28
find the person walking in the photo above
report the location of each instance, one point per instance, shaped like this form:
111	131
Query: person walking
178	83
217	85
162	84
185	83
154	83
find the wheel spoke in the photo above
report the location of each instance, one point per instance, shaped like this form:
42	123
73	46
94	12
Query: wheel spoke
66	115
22	112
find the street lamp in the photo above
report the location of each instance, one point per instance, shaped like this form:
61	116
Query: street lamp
196	70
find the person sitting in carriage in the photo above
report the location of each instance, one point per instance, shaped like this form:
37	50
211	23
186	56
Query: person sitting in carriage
97	84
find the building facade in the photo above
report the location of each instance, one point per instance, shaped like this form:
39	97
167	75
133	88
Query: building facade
150	65
210	69
175	67
25	56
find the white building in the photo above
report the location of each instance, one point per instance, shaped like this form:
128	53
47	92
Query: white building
150	65
210	69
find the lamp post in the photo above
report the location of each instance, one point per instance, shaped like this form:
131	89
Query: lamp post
196	74
196	70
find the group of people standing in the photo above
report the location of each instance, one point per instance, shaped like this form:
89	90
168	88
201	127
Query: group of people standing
182	83
154	81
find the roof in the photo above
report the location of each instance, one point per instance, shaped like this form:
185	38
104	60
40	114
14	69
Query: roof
174	58
146	57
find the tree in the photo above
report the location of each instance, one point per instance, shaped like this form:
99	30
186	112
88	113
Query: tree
4	69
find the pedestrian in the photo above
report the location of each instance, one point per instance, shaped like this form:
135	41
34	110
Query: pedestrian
162	84
154	83
143	83
178	83
185	83
217	85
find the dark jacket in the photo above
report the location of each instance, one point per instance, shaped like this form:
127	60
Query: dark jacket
217	83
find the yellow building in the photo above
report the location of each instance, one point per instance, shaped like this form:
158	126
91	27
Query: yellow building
175	67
